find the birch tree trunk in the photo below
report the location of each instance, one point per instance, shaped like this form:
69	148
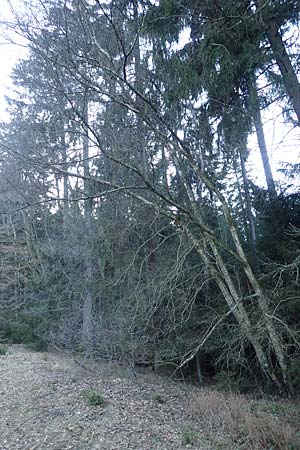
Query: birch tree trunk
227	285
234	301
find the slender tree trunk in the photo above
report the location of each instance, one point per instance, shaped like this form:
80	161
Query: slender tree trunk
262	301
199	371
287	71
251	224
241	198
227	286
164	169
289	77
65	176
219	271
87	321
233	300
138	86
256	114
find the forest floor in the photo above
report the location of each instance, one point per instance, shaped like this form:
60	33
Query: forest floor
46	402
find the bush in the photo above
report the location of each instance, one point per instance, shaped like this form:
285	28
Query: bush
22	333
19	333
189	436
295	374
158	399
37	345
226	381
93	397
239	422
3	350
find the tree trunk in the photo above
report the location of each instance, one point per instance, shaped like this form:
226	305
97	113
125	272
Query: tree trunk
65	176
87	320
251	224
138	87
227	287
256	114
234	302
290	80
287	71
199	371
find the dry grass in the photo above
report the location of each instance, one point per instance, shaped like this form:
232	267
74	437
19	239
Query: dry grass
237	422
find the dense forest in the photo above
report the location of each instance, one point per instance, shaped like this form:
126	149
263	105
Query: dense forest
131	227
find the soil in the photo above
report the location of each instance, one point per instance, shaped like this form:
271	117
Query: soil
43	406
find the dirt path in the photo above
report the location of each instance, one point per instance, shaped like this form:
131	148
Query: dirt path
42	406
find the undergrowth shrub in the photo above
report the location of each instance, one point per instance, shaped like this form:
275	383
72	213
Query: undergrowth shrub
234	421
3	350
93	397
158	399
228	381
188	436
22	333
37	345
19	333
295	374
